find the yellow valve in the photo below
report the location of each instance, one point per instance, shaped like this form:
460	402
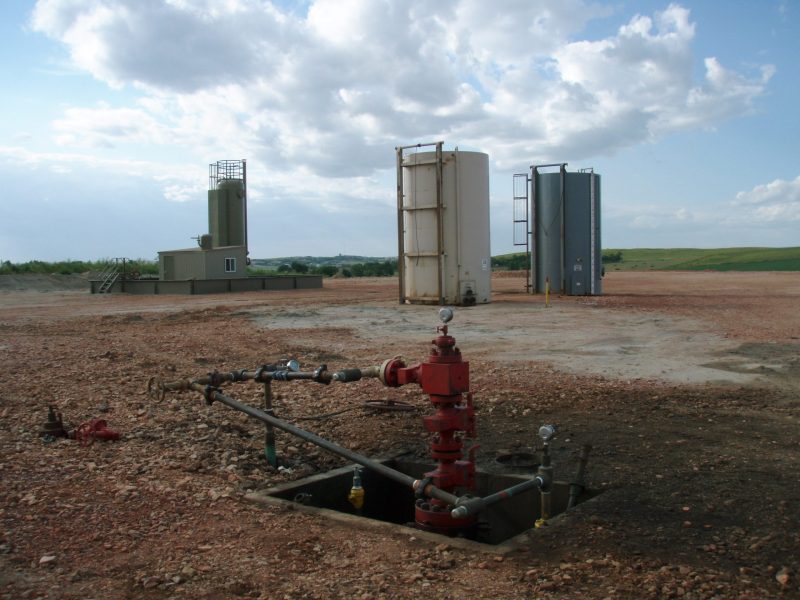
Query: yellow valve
540	523
356	497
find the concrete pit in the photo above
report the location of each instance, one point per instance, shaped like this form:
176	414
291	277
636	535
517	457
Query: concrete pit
392	503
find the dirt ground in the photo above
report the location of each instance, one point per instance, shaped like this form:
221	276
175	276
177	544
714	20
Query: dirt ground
685	384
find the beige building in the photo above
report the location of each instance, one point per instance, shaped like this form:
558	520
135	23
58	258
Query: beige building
197	263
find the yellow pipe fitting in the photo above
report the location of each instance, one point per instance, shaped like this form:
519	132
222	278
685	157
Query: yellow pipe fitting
356	497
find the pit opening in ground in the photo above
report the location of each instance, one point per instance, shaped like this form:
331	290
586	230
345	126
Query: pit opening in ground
390	502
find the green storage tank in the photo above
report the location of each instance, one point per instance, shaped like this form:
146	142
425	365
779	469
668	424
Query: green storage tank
226	213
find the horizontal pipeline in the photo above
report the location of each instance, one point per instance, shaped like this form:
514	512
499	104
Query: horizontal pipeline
264	374
430	490
463	506
471	506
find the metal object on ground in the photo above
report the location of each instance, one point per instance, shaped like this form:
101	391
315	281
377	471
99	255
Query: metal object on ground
389	405
545	471
212	394
472	506
54	426
577	485
356	495
269	431
95	429
156	389
444	502
445	377
547	433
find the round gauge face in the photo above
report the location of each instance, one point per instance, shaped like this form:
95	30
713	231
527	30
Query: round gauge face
546	432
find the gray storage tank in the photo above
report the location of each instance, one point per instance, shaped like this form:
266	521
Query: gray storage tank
565	232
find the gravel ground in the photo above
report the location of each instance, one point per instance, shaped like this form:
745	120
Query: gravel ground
700	481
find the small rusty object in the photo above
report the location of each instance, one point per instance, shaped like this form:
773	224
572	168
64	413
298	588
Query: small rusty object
156	389
94	429
389	405
54	426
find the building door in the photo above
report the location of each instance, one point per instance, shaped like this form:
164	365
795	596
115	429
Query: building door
169	267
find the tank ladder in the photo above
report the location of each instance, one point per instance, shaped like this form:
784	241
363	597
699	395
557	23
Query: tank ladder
522	226
402	254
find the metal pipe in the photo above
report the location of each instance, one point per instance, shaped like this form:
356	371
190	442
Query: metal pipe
563	289
263	375
550	165
475	505
546	504
577	485
211	394
440	222
592	236
533	256
545	471
401	258
244	185
421	145
269	430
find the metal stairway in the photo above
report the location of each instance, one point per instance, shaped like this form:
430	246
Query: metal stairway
108	276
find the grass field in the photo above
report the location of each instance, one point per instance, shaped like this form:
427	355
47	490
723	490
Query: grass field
683	259
715	259
631	259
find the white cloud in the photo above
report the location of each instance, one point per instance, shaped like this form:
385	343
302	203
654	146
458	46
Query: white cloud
768	214
331	92
104	126
172	177
774	202
317	100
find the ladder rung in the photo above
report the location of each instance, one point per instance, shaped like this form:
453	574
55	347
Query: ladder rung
412	208
421	254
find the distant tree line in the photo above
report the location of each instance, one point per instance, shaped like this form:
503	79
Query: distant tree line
70	267
519	261
385	268
511	262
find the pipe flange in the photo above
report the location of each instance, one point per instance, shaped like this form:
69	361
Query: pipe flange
215	378
385	373
317	376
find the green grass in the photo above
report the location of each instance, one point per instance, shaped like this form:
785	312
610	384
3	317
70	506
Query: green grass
688	259
632	259
714	259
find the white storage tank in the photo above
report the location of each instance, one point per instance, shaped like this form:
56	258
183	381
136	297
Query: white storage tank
444	255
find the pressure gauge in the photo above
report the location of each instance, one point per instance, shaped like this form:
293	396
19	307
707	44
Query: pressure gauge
547	432
446	314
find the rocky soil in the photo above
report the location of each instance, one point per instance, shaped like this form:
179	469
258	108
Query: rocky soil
700	493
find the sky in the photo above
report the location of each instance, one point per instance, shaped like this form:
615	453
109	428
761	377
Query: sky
112	110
